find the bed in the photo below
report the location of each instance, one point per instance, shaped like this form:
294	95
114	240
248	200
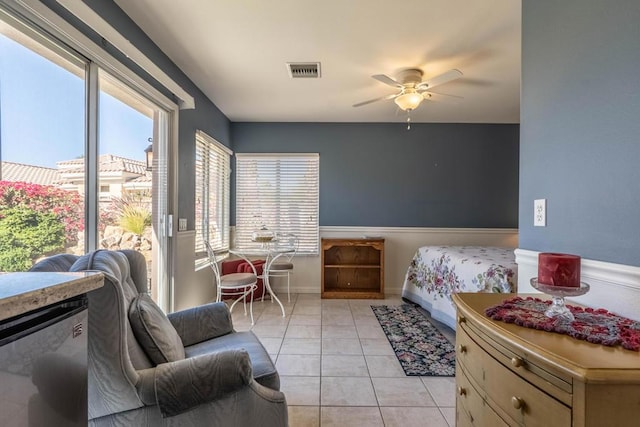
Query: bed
438	271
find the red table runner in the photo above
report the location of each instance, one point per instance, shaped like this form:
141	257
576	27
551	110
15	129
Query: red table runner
593	325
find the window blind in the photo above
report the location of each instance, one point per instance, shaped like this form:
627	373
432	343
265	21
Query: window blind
280	191
213	168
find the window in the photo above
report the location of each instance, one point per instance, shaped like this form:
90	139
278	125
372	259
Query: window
75	124
212	193
42	105
280	191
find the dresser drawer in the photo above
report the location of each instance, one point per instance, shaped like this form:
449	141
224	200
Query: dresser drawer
545	377
471	408
503	388
462	417
470	355
521	401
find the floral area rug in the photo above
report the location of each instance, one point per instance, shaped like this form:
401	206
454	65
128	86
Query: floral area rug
593	325
420	347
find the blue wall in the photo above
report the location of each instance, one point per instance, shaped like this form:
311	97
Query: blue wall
206	116
435	175
580	127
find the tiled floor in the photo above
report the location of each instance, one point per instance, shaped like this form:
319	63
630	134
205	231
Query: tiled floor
338	369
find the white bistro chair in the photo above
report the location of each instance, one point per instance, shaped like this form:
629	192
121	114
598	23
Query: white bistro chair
283	265
241	285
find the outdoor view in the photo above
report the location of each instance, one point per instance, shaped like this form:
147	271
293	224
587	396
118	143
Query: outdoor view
42	153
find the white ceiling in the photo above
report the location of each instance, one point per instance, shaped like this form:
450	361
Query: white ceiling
235	51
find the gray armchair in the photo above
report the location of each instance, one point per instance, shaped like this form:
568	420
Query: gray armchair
214	376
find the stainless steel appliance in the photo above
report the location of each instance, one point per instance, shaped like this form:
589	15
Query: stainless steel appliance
43	366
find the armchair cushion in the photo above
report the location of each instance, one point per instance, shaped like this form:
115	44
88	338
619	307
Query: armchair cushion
264	371
185	384
202	323
154	331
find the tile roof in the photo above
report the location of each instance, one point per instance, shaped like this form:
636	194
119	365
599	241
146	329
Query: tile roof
130	170
108	163
28	173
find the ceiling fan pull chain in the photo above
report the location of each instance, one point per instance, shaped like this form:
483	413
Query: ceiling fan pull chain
408	119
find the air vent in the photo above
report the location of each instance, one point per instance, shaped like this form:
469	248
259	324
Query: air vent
304	70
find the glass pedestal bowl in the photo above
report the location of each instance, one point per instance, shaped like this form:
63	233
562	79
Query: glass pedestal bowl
557	293
263	236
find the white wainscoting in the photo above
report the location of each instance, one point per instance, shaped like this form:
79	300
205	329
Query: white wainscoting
401	244
195	287
615	287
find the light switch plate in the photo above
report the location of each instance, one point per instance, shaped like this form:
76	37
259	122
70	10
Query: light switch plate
182	224
540	213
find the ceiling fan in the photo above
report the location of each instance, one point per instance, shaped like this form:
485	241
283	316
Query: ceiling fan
412	89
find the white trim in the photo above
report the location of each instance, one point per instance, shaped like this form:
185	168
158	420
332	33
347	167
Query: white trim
45	18
615	287
275	155
627	276
413	230
102	27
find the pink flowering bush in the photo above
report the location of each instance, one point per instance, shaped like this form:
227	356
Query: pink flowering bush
67	206
36	220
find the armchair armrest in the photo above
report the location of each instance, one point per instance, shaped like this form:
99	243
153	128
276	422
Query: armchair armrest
202	323
185	384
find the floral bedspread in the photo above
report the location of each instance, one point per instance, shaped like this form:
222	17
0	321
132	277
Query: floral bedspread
436	272
447	269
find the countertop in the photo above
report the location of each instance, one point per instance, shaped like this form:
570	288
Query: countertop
24	292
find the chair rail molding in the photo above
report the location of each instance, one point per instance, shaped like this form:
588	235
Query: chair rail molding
615	287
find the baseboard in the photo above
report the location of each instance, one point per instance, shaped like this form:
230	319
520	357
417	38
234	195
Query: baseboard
282	290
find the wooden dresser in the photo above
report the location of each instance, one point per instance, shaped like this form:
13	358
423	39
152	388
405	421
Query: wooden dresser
511	375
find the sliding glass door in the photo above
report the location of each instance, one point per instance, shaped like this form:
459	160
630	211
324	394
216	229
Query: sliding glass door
42	112
132	187
83	159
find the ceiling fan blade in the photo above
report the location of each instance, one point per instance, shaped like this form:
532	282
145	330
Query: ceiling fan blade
440	79
383	78
375	100
433	96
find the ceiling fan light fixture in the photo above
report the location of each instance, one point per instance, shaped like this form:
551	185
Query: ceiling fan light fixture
409	100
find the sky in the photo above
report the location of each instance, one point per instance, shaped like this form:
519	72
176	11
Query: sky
42	113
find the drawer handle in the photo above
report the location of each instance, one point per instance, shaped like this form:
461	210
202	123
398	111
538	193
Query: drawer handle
517	362
517	402
462	391
462	320
462	348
